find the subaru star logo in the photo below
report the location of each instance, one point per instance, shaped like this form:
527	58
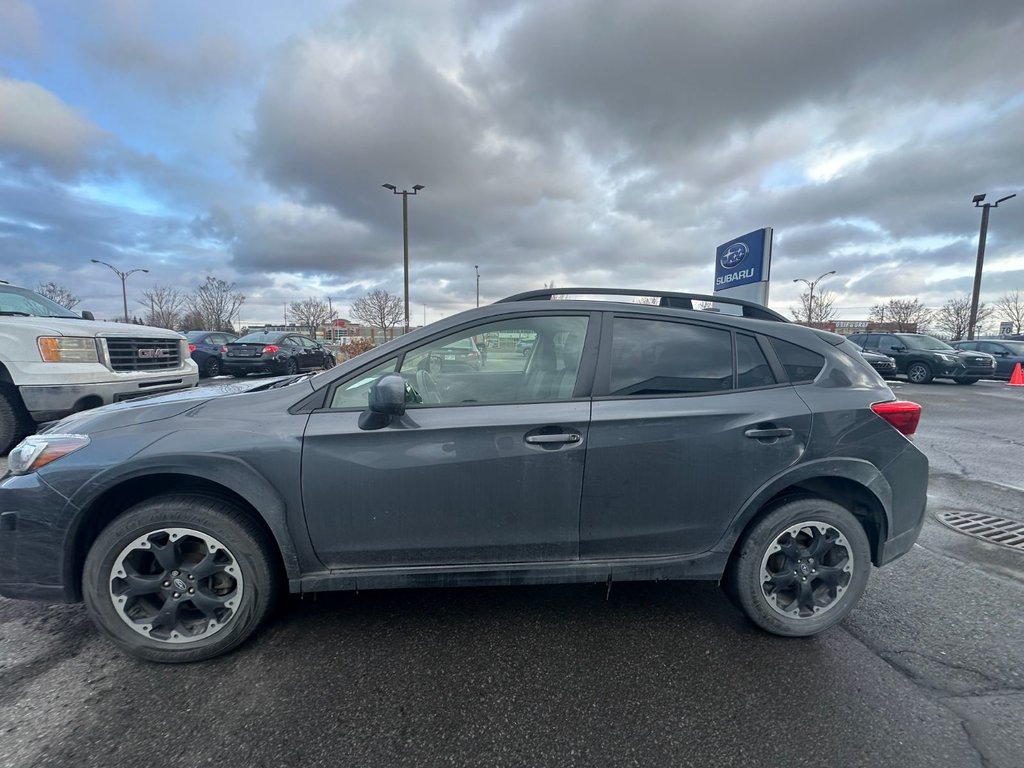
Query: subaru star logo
734	255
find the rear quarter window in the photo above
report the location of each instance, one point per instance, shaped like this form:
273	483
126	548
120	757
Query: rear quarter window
801	364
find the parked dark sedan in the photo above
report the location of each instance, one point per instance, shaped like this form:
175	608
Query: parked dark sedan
275	352
1007	352
207	348
636	442
884	364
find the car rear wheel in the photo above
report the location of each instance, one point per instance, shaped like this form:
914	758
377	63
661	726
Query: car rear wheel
213	367
15	422
290	366
801	568
965	380
919	373
179	578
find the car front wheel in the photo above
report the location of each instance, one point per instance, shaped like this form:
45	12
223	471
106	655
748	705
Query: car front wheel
919	373
179	578
801	568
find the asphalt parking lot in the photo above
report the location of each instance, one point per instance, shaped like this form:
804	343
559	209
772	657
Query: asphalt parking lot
928	671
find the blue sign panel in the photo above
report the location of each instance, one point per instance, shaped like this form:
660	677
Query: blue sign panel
742	261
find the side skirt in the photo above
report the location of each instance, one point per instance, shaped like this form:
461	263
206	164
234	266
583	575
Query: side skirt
707	567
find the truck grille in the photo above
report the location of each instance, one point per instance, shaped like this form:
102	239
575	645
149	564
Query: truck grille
131	354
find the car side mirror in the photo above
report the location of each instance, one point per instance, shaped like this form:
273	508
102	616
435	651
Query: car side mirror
387	400
87	315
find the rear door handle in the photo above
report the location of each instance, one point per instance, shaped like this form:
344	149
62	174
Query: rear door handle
569	437
767	434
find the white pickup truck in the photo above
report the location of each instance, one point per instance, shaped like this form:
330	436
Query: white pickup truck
54	362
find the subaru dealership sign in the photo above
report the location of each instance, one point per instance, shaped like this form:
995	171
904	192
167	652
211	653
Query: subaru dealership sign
742	266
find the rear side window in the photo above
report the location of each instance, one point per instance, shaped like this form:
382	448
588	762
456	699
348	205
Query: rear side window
800	364
653	357
752	369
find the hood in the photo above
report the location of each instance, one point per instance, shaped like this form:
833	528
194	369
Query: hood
146	409
69	326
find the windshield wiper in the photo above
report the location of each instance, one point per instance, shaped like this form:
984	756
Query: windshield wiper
13	312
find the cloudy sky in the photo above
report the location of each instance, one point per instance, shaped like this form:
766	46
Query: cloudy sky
606	143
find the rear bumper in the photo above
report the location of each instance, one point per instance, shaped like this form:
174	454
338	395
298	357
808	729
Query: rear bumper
907	476
257	365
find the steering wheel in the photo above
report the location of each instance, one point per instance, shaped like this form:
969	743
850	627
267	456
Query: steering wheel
426	385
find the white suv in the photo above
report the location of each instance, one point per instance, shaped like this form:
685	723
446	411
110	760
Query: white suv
54	362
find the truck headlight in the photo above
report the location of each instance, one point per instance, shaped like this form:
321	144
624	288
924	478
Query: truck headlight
37	451
68	349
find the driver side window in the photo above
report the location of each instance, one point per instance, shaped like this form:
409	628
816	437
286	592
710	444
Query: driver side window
522	360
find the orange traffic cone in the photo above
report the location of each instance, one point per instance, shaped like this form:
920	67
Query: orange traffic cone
1017	379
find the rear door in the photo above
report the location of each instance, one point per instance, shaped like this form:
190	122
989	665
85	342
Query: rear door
688	420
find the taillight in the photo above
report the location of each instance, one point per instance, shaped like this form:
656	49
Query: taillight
191	347
902	414
270	349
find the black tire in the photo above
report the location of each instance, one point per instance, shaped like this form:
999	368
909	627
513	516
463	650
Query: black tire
965	380
242	545
919	373
329	362
15	422
291	367
212	367
752	562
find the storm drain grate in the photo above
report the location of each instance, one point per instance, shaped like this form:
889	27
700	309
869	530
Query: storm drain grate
996	530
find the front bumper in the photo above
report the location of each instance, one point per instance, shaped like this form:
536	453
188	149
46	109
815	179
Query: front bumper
32	534
959	370
48	403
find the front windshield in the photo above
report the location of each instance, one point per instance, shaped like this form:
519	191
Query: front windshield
19	301
925	342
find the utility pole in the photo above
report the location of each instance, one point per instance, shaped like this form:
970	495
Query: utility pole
124	276
810	301
405	238
477	268
982	237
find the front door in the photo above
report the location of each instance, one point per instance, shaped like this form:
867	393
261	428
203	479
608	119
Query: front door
486	466
681	436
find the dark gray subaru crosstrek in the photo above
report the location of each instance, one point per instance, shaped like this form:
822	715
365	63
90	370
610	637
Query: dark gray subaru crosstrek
633	442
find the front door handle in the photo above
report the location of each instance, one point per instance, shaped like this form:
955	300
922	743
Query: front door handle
769	434
569	437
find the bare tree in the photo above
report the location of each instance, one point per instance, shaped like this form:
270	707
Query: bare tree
165	306
820	311
379	309
650	300
310	313
905	315
215	302
58	293
1010	307
954	318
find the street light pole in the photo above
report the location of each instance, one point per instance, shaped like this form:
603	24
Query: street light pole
810	300
405	238
124	276
477	268
982	237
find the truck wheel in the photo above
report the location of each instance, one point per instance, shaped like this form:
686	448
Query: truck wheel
919	373
15	422
179	578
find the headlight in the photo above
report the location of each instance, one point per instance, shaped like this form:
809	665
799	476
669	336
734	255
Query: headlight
37	451
948	358
68	349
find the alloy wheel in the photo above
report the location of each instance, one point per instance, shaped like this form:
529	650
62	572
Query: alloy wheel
176	585
806	570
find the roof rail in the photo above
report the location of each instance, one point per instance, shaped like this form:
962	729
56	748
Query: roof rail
667	299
